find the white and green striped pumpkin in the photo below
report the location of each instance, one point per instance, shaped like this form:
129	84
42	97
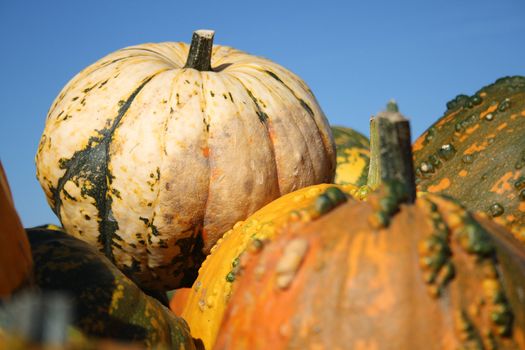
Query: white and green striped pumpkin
152	152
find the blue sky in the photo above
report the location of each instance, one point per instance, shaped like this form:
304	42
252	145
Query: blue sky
355	56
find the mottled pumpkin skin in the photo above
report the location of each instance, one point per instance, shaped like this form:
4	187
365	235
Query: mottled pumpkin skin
15	254
476	152
152	162
353	156
209	296
107	303
433	279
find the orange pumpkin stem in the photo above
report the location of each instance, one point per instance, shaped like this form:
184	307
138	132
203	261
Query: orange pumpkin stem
391	151
201	46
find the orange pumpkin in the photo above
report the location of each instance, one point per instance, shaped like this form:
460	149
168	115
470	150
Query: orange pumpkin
15	253
434	278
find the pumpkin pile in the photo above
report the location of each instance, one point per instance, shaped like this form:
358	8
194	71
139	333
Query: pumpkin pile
211	174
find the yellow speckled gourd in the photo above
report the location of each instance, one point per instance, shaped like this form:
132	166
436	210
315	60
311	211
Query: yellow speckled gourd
209	296
353	156
156	150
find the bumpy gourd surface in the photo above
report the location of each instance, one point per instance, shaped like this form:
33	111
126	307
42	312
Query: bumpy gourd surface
107	304
476	152
353	156
151	162
434	277
217	276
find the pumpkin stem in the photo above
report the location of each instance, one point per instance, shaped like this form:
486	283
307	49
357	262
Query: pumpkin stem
391	151
199	56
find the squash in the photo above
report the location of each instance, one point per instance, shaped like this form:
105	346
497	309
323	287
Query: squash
108	304
433	279
154	151
391	272
208	298
353	156
15	254
476	152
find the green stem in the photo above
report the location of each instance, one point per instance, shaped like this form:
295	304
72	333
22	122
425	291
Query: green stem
201	46
374	171
391	151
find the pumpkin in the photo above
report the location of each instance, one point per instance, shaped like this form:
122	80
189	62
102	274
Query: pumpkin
15	253
353	156
205	303
476	152
433	279
107	303
156	150
391	272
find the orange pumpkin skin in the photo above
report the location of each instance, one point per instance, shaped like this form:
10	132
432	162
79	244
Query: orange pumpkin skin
331	285
476	152
15	253
178	300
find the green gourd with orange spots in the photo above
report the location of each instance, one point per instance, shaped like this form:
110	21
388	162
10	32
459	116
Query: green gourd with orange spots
476	152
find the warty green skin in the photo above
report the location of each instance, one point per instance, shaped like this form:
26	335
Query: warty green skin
476	152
